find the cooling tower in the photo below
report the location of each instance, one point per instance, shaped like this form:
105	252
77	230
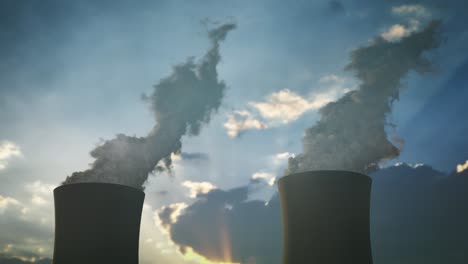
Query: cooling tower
97	223
325	217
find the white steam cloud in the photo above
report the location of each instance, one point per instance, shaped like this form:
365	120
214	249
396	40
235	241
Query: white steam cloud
351	132
182	103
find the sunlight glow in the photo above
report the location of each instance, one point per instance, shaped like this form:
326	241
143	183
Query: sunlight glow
191	255
462	167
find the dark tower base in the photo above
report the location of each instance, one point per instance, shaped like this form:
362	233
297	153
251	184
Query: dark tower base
97	223
326	217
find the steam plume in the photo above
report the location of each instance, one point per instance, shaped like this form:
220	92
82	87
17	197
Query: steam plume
181	102
351	132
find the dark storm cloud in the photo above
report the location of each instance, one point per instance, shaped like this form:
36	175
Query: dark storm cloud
351	132
165	216
195	156
442	117
162	193
221	220
181	103
418	215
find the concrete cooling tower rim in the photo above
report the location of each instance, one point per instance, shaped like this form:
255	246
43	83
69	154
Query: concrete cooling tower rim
352	175
113	185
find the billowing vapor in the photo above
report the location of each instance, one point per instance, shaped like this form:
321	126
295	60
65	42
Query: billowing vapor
351	132
181	102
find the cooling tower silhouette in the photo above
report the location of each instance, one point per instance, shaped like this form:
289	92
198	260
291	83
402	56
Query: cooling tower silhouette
97	223
325	217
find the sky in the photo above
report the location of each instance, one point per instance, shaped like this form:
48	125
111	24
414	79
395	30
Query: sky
75	74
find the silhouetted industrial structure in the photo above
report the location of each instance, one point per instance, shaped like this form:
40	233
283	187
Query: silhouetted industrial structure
97	223
325	217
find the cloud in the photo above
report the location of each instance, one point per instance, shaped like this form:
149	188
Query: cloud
27	223
168	215
267	177
223	225
283	107
413	15
7	202
155	246
411	10
24	260
462	167
26	229
397	32
8	150
262	180
42	193
281	158
241	121
350	134
195	156
415	210
161	193
197	188
418	215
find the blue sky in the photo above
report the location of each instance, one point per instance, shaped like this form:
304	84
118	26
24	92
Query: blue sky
73	75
